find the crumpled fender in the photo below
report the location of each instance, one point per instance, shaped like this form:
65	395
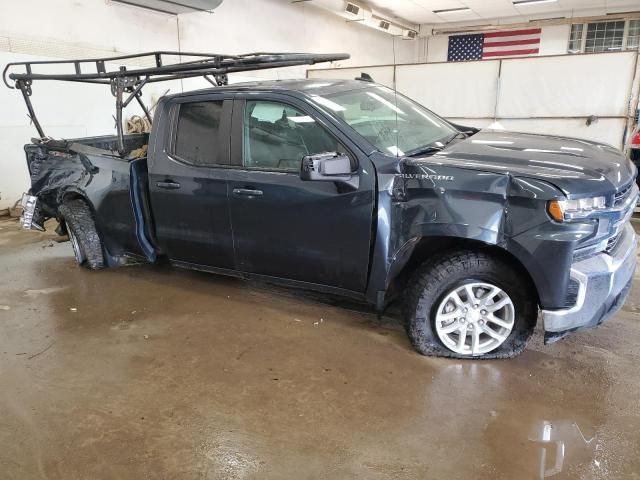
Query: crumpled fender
436	200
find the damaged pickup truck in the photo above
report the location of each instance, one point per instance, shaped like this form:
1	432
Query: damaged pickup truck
350	188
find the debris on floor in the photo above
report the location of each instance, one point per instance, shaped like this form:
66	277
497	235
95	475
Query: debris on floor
42	291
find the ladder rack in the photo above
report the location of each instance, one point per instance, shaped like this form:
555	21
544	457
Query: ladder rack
149	67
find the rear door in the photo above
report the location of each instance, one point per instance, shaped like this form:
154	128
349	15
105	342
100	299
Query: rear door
188	184
316	232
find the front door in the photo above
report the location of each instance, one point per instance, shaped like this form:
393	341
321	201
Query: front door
316	232
188	186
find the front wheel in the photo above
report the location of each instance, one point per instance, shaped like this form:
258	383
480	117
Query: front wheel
469	305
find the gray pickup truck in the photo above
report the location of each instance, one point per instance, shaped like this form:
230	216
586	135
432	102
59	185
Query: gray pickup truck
350	188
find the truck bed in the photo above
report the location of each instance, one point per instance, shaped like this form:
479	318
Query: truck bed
116	187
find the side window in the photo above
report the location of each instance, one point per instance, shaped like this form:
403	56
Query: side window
277	136
198	131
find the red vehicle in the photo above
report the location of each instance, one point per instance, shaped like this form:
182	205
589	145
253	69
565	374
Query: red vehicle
634	148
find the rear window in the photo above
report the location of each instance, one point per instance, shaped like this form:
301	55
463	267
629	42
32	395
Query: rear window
197	136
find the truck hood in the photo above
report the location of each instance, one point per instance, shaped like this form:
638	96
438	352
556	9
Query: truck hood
576	167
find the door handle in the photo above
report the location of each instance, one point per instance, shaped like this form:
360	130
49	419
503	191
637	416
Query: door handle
168	184
249	192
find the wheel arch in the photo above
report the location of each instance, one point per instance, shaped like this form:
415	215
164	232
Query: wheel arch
418	250
73	193
67	195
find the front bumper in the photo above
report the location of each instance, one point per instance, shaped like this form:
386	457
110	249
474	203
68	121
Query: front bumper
604	282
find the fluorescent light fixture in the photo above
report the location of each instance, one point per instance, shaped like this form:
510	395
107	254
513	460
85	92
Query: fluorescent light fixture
302	119
386	103
452	10
427	117
328	103
394	150
517	3
492	142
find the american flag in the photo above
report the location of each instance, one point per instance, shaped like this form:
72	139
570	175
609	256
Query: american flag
479	46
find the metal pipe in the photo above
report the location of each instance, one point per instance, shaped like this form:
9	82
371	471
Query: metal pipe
144	107
222	63
26	93
119	92
135	93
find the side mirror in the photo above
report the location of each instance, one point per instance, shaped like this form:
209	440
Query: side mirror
326	167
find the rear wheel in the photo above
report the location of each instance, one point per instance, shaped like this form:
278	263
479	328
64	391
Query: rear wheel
84	238
468	304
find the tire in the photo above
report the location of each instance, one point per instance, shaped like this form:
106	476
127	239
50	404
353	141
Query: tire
430	302
86	243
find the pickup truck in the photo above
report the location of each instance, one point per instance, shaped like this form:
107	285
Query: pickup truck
350	188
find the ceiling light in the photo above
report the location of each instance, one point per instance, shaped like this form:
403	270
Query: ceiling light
452	10
517	3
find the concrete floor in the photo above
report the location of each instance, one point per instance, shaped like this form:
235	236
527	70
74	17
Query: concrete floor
153	372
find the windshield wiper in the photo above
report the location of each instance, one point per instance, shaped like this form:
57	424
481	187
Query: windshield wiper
453	137
422	150
435	146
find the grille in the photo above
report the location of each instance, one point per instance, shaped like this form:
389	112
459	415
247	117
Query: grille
586	252
620	197
612	243
572	293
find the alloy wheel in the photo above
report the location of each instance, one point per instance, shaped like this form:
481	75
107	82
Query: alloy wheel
475	318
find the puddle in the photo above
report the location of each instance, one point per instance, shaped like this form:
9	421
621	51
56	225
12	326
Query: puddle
562	446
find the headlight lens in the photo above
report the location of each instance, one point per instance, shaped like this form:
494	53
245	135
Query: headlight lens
559	210
585	204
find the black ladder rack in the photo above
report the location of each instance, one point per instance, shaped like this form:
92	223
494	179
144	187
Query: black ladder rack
213	67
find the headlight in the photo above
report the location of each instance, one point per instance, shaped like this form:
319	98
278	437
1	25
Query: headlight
560	210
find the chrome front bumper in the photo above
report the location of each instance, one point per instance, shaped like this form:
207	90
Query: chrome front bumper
604	281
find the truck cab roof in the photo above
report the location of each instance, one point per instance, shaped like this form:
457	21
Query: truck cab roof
303	87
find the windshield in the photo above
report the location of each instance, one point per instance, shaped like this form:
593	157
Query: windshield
392	123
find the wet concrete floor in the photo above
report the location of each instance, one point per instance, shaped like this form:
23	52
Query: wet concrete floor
152	372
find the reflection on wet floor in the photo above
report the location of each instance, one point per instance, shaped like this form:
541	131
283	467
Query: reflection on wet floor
152	372
561	442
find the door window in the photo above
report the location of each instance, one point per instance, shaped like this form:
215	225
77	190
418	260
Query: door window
197	136
277	136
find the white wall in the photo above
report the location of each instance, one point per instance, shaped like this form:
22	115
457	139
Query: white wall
552	95
276	25
41	29
93	28
93	24
554	39
64	111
